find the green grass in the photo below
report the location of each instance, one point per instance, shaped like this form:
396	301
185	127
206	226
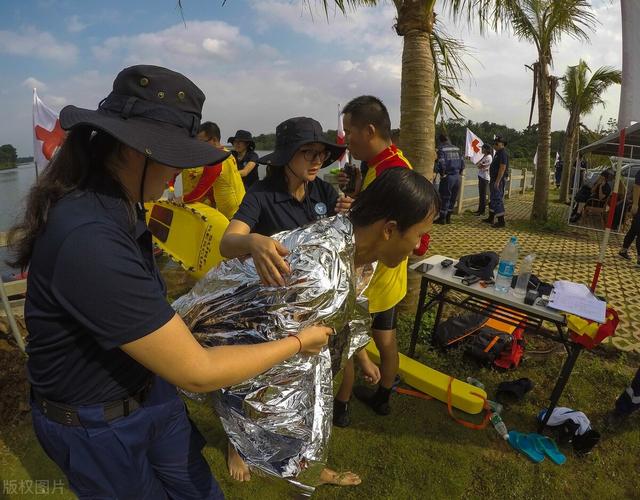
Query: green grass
420	452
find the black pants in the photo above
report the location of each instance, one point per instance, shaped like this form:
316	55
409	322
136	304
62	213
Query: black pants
483	184
629	400
633	233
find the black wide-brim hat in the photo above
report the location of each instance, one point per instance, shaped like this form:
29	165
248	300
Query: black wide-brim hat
294	133
155	111
242	135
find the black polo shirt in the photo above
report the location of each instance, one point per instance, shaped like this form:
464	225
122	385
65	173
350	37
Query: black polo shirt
249	156
268	208
93	285
500	158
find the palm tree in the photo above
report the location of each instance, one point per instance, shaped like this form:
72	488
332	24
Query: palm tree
543	23
580	94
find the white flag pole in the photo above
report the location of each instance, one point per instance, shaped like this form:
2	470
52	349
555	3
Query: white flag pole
33	129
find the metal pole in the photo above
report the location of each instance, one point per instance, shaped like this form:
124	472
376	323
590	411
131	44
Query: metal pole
612	209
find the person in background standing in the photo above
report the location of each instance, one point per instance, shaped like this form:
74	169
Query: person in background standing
634	229
483	178
449	165
246	157
558	171
498	173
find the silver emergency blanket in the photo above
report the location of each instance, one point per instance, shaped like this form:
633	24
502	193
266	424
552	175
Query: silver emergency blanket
280	421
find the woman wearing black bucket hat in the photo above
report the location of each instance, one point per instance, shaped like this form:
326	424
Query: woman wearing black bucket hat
246	157
105	348
292	195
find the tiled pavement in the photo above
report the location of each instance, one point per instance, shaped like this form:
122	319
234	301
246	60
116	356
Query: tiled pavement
568	253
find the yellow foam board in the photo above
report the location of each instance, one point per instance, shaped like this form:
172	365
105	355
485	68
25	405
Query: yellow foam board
190	234
435	383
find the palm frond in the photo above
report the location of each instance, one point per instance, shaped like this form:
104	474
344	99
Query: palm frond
581	93
450	69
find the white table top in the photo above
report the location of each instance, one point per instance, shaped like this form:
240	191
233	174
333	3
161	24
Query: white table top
444	276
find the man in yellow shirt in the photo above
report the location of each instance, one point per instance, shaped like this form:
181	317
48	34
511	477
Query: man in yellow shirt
367	129
221	184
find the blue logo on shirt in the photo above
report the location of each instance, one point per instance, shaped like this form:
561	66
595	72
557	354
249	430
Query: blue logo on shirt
320	208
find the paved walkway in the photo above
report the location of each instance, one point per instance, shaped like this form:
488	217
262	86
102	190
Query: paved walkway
565	254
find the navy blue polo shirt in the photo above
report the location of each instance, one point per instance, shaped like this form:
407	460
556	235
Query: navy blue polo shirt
500	158
249	156
268	208
93	286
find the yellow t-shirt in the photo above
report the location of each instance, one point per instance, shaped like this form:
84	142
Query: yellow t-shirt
388	286
228	189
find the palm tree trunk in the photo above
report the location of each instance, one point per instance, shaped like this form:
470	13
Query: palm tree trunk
568	156
417	118
541	193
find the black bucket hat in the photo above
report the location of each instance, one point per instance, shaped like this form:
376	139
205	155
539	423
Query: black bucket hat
155	111
294	133
242	135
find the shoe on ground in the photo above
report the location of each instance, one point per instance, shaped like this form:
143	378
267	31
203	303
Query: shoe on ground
374	399
499	224
478	214
341	416
624	254
488	221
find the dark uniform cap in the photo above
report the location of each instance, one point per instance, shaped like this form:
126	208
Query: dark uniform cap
155	111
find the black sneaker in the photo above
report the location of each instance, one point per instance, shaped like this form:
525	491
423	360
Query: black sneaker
624	254
341	417
441	221
489	220
377	400
500	223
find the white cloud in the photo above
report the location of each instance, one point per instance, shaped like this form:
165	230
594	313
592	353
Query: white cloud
177	46
75	25
504	86
32	83
29	42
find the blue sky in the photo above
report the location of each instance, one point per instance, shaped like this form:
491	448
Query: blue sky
258	61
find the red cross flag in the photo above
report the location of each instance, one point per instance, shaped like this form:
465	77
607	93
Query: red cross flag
473	147
47	133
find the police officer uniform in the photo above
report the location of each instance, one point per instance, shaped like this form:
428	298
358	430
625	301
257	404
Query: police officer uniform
449	165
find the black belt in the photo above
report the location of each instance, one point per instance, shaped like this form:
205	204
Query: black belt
68	415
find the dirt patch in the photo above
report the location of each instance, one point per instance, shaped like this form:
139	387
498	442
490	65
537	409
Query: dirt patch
14	388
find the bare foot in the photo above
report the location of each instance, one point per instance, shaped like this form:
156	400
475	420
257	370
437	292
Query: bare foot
328	476
238	469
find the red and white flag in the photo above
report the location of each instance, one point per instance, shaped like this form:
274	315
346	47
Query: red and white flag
340	140
473	147
47	133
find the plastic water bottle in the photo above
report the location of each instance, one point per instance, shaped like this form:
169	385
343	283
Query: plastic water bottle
523	276
475	382
499	426
507	265
495	407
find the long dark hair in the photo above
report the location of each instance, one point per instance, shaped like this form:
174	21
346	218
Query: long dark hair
83	162
399	194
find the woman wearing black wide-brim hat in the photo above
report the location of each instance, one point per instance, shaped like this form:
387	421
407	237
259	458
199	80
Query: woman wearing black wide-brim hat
246	157
292	195
106	350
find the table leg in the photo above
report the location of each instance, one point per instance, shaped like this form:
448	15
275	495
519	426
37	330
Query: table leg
567	368
424	285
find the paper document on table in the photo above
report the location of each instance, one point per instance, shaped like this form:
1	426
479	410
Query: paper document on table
577	299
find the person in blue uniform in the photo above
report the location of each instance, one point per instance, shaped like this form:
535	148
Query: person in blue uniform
498	172
449	165
106	350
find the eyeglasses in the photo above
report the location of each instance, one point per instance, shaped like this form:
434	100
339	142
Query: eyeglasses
312	155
